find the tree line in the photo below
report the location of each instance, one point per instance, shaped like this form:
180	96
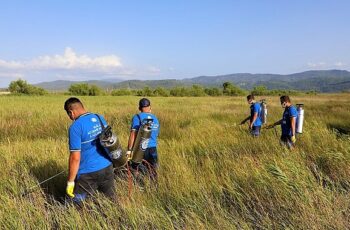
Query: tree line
84	89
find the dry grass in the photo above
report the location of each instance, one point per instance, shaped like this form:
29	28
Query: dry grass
212	175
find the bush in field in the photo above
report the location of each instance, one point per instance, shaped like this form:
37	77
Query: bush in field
83	89
232	90
260	90
145	92
179	92
121	92
213	91
160	91
197	91
22	87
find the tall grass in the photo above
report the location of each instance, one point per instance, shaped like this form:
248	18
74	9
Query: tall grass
212	173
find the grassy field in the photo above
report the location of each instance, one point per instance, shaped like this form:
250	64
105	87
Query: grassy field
212	173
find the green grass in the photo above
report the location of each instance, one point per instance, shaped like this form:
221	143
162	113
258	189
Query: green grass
212	173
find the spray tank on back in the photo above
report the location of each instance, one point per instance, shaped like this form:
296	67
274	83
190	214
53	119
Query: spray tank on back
142	140
110	143
263	114
300	119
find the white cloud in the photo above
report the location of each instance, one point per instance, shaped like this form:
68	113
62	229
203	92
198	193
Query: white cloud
69	60
316	65
325	65
72	66
339	64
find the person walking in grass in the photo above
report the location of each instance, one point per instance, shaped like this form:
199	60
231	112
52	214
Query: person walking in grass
255	116
90	169
151	154
288	122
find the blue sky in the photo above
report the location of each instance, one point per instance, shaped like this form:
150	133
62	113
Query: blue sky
79	40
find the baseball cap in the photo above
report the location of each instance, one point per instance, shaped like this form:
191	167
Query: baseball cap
144	102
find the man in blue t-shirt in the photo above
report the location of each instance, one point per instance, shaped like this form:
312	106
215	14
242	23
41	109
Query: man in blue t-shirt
255	116
90	169
288	122
151	155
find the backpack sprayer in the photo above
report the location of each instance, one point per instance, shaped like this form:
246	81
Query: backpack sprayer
142	139
263	115
300	119
111	144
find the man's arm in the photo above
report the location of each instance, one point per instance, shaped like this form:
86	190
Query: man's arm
274	124
245	120
293	122
251	122
74	162
132	138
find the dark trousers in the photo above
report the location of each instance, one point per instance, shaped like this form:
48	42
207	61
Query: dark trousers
286	140
89	183
150	164
255	131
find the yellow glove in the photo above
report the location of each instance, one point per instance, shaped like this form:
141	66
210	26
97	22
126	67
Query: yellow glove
293	139
70	189
128	154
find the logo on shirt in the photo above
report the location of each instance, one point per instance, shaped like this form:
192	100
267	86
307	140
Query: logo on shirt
93	119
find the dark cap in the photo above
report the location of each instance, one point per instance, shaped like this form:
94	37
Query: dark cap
144	102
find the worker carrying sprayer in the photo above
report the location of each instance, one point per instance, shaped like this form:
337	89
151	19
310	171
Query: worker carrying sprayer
90	168
142	145
288	123
255	117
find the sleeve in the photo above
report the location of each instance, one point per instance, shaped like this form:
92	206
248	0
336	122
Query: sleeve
293	112
135	123
74	138
256	108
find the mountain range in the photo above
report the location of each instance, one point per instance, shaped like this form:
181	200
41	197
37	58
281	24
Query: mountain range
318	80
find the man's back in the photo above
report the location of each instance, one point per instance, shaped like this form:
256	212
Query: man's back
83	136
136	123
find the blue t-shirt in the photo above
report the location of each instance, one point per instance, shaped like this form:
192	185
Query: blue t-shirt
83	137
256	108
136	123
286	123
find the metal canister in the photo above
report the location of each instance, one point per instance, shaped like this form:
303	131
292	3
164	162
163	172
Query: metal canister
142	140
112	146
300	119
263	111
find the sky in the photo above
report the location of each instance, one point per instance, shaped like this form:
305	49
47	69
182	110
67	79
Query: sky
159	39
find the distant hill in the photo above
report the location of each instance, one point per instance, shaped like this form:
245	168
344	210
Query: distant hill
320	80
61	85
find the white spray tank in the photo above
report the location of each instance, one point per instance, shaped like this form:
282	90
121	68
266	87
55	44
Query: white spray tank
263	115
300	119
142	140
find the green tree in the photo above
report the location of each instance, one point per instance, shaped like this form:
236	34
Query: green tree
160	91
22	87
197	91
84	89
232	90
260	90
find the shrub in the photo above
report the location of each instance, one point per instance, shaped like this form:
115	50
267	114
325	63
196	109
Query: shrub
22	87
83	89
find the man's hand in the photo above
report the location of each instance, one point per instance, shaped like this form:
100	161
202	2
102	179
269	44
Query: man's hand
293	139
70	189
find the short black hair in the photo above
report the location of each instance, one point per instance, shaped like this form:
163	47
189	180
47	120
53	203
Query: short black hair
285	98
250	97
70	102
